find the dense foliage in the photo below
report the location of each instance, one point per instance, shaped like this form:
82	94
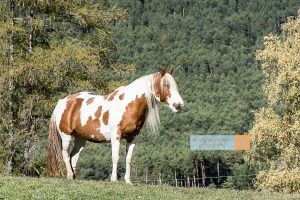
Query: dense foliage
275	134
211	46
48	50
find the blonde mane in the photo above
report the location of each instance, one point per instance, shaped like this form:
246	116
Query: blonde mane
152	119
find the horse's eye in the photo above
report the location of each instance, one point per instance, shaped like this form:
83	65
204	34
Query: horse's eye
167	85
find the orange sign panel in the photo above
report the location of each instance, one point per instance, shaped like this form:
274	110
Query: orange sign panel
242	142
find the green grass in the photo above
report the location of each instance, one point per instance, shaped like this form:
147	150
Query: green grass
53	188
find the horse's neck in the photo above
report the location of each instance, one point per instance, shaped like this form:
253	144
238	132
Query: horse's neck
140	86
138	93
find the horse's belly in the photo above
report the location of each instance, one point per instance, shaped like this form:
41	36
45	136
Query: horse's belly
92	136
91	132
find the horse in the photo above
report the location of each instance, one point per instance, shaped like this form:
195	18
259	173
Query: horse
119	115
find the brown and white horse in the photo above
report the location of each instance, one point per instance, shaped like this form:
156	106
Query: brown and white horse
119	115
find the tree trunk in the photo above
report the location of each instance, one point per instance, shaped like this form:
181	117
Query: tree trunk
28	143
10	90
29	31
29	121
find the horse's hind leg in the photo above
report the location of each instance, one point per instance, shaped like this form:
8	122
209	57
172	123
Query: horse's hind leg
79	145
65	143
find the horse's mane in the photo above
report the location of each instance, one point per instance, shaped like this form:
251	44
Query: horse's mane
152	118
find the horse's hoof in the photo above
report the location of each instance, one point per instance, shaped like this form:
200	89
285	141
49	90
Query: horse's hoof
128	182
71	176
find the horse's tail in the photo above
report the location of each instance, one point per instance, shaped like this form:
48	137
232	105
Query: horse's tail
55	159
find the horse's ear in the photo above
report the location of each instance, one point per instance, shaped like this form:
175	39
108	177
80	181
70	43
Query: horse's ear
170	70
162	71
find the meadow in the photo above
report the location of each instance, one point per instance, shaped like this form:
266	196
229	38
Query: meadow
54	188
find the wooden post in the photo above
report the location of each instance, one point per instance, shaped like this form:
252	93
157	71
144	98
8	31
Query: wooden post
218	170
176	184
159	178
197	172
203	173
181	184
146	178
188	181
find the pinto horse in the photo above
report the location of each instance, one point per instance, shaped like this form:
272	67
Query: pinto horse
119	115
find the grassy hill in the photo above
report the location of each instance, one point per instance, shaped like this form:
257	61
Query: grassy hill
50	188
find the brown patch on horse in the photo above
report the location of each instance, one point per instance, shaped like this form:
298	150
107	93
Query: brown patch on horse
71	112
121	97
90	100
98	112
70	122
163	93
133	118
91	130
105	117
112	95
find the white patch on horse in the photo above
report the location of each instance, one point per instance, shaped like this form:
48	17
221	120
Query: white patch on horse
59	110
89	110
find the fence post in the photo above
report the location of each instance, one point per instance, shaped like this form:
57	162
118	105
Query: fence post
197	173
146	176
218	170
176	179
203	173
159	178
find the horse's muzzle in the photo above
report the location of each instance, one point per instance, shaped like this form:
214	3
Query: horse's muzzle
178	106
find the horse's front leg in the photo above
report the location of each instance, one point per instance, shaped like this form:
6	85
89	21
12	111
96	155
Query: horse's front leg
129	149
115	147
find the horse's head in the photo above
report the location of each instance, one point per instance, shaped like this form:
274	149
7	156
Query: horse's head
166	91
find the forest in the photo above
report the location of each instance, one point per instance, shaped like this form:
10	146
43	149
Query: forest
51	50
